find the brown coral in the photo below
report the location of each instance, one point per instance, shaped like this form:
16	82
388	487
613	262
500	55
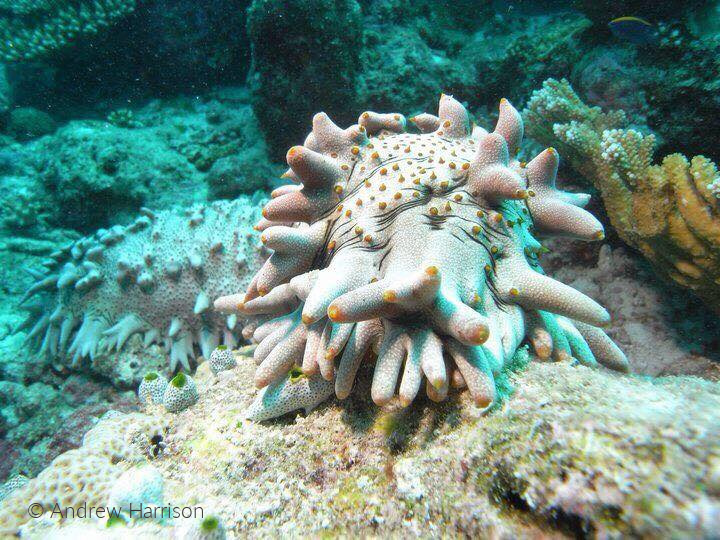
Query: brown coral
670	212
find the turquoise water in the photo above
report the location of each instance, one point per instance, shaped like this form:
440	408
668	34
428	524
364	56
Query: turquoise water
140	140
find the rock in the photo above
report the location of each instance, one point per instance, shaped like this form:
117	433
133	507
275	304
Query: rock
137	488
407	477
126	368
70	431
96	170
240	173
40	421
554	458
208	528
27	123
609	78
5	90
91	174
26	208
292	79
392	56
682	331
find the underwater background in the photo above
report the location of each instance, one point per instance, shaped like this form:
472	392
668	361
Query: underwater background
139	141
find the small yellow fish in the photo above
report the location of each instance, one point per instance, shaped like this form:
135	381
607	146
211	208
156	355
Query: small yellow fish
634	30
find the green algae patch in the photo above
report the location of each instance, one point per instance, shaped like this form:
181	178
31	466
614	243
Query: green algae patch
115	521
179	380
388	423
350	496
295	374
209	524
206	447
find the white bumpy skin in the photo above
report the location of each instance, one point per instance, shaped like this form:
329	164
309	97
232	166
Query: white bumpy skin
421	246
156	277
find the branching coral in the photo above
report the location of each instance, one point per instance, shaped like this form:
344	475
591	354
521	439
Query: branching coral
34	28
670	211
123	118
155	277
422	245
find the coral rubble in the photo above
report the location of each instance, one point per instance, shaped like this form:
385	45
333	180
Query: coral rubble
156	277
668	211
430	235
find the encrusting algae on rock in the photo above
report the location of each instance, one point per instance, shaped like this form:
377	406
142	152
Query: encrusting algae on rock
420	246
562	455
669	211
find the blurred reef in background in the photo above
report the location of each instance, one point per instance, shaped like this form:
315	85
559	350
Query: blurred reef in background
109	106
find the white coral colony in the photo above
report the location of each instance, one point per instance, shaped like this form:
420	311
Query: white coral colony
423	245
